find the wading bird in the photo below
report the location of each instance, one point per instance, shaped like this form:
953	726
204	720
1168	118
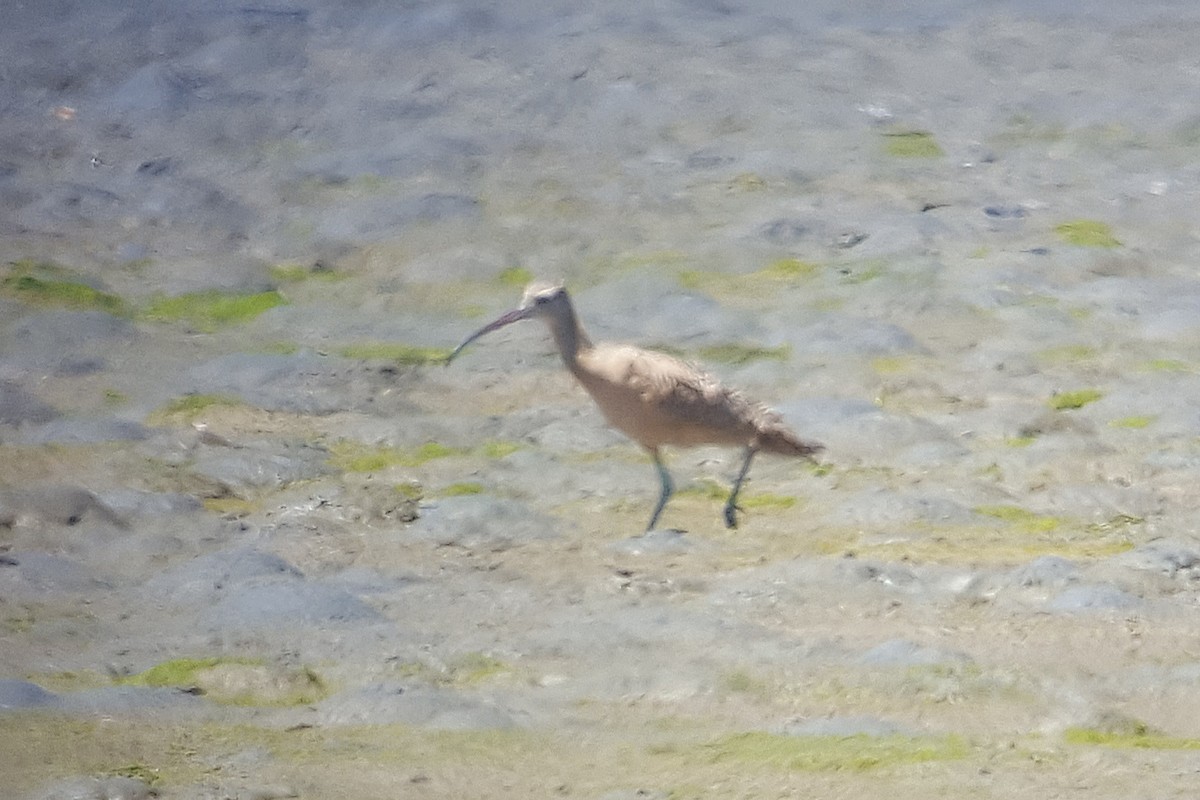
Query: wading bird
653	398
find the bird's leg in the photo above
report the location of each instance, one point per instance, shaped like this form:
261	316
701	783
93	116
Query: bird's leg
731	507
667	489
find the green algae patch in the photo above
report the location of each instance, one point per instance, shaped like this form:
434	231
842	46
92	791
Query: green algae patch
1168	365
739	681
911	144
835	753
1019	441
477	758
64	294
514	277
1068	401
1020	518
1005	535
402	354
190	406
1135	423
1067	354
350	456
740	354
747	182
892	365
231	507
462	489
764	282
765	501
19	622
178	672
139	772
278	348
468	669
1087	233
857	274
236	681
211	310
409	491
697	280
473	669
48	285
36	748
114	398
1140	736
498	448
789	269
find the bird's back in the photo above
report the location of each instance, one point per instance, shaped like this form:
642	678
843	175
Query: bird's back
657	399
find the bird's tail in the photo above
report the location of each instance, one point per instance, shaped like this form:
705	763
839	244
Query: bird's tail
781	441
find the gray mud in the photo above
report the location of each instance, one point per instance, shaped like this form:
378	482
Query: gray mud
256	541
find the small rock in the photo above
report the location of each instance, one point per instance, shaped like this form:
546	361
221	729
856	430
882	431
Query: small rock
268	793
286	604
1044	571
478	521
19	407
16	695
784	231
243	470
114	787
86	430
902	652
656	541
59	505
389	703
1166	557
1093	597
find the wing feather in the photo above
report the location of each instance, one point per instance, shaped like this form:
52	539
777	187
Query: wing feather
680	403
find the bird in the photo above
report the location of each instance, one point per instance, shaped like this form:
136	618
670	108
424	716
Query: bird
655	399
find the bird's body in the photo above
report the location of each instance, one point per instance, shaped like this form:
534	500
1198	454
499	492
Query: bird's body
654	398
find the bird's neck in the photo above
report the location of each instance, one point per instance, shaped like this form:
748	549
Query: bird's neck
570	337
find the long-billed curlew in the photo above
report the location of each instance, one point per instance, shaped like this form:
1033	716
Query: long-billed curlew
653	398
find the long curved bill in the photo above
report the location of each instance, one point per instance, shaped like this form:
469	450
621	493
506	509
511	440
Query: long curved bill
507	319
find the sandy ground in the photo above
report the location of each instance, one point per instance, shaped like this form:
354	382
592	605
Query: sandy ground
257	542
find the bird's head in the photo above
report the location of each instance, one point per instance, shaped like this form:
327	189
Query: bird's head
541	299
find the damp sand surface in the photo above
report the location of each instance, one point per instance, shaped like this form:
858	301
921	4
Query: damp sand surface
256	541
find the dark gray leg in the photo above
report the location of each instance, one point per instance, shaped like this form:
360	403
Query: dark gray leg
667	490
731	504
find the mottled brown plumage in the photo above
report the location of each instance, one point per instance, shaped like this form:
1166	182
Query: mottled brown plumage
653	398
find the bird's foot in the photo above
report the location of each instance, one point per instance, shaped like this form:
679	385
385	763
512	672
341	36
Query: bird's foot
731	515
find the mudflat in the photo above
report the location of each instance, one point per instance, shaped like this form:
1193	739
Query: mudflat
257	540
